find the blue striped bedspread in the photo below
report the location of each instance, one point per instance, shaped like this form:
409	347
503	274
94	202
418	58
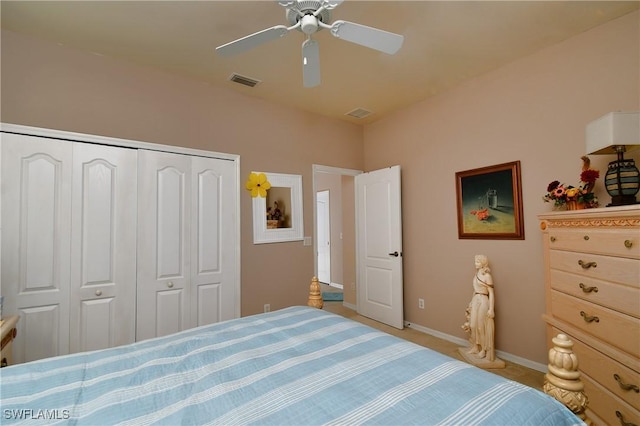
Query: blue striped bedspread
296	366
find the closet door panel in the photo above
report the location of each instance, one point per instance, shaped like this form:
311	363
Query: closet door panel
209	303
36	222
163	243
98	322
170	306
103	261
41	326
214	216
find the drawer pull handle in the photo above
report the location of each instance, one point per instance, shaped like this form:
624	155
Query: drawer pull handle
626	386
553	239
586	238
587	265
586	289
622	422
589	318
98	293
628	243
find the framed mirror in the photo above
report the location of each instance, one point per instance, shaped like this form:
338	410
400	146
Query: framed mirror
278	217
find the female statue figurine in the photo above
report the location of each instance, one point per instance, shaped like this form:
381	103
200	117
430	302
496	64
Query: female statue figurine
480	314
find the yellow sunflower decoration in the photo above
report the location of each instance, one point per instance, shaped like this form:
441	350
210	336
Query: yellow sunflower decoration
258	184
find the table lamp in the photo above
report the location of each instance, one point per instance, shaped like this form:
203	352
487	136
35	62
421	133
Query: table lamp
616	133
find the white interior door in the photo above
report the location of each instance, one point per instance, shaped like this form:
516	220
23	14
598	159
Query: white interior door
213	292
103	247
164	218
379	246
324	236
36	229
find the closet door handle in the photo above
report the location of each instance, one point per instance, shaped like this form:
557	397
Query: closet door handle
170	284
98	293
394	254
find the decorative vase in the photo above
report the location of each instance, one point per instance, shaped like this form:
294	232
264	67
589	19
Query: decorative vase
575	205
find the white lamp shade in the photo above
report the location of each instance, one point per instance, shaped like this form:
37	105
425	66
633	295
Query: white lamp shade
611	130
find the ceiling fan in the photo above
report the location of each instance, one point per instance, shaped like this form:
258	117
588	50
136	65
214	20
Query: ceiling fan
309	17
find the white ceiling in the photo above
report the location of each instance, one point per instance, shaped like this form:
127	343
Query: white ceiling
446	42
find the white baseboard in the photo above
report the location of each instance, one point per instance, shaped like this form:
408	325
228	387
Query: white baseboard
462	342
350	306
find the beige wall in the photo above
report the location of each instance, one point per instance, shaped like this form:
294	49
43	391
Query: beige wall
51	86
533	110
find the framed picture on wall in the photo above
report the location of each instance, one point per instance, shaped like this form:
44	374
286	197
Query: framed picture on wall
489	201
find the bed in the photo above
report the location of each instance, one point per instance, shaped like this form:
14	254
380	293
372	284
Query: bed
295	366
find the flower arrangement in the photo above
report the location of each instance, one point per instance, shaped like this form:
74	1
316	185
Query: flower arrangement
258	185
563	195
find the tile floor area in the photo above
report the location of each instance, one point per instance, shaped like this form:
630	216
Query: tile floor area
512	371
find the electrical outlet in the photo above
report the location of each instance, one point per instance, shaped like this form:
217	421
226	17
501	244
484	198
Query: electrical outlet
267	307
421	303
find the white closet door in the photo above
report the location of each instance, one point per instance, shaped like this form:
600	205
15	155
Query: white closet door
36	229
164	214
103	247
213	247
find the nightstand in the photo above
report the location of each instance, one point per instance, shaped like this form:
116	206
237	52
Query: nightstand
7	334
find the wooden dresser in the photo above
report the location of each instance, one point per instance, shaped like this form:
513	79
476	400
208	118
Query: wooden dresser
592	292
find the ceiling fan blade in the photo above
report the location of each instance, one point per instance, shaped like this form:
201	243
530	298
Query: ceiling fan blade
372	38
310	63
331	4
245	43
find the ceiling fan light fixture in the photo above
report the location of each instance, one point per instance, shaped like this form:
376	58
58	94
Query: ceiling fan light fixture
300	9
309	24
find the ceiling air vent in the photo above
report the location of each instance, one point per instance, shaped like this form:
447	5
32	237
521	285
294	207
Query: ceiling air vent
359	113
241	79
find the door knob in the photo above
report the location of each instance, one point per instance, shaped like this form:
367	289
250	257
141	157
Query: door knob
394	254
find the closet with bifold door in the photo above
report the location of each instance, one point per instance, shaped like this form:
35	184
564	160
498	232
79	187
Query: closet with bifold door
182	283
108	241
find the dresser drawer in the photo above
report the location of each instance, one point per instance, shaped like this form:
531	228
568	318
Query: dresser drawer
607	406
612	375
619	330
614	242
616	269
618	297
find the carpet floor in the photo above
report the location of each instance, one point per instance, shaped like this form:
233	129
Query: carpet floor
512	371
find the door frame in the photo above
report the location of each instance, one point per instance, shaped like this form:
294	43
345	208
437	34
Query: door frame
318	168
